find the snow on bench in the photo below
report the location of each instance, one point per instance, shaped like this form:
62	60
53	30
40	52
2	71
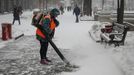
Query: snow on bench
117	36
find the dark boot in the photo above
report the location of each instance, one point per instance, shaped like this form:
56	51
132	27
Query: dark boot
44	61
48	60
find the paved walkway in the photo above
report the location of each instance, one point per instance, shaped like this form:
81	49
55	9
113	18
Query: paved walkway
21	57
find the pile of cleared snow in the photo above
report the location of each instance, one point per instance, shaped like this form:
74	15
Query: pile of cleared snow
96	29
86	18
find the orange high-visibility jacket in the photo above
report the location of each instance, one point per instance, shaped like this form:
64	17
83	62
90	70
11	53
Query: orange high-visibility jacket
52	26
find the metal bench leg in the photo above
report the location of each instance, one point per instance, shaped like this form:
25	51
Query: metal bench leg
116	44
102	40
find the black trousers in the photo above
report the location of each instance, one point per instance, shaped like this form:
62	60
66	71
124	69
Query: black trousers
43	49
15	20
77	18
44	46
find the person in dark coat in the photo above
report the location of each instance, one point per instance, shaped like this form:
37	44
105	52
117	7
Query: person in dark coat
16	15
61	10
76	11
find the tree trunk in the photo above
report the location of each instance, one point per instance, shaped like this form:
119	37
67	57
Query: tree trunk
120	11
102	4
118	6
46	4
87	7
90	7
40	4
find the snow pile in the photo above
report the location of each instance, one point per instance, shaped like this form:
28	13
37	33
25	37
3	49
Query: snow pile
86	18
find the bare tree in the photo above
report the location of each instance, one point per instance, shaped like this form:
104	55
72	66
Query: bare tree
103	4
87	7
120	11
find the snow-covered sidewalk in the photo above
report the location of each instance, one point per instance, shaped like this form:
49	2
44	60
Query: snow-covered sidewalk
74	41
90	56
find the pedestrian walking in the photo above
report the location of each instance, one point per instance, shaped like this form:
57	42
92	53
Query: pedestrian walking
16	15
76	11
61	10
49	23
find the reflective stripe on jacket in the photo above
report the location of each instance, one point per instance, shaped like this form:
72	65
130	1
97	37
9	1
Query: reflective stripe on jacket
52	26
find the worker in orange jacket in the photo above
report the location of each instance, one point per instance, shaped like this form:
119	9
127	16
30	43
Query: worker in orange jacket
49	22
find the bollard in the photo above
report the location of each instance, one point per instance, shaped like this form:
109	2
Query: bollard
6	31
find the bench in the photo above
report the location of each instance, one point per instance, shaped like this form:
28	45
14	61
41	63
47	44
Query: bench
116	36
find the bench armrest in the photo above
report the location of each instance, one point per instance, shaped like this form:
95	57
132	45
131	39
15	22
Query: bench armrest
115	33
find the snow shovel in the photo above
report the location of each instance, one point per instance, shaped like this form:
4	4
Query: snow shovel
50	41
